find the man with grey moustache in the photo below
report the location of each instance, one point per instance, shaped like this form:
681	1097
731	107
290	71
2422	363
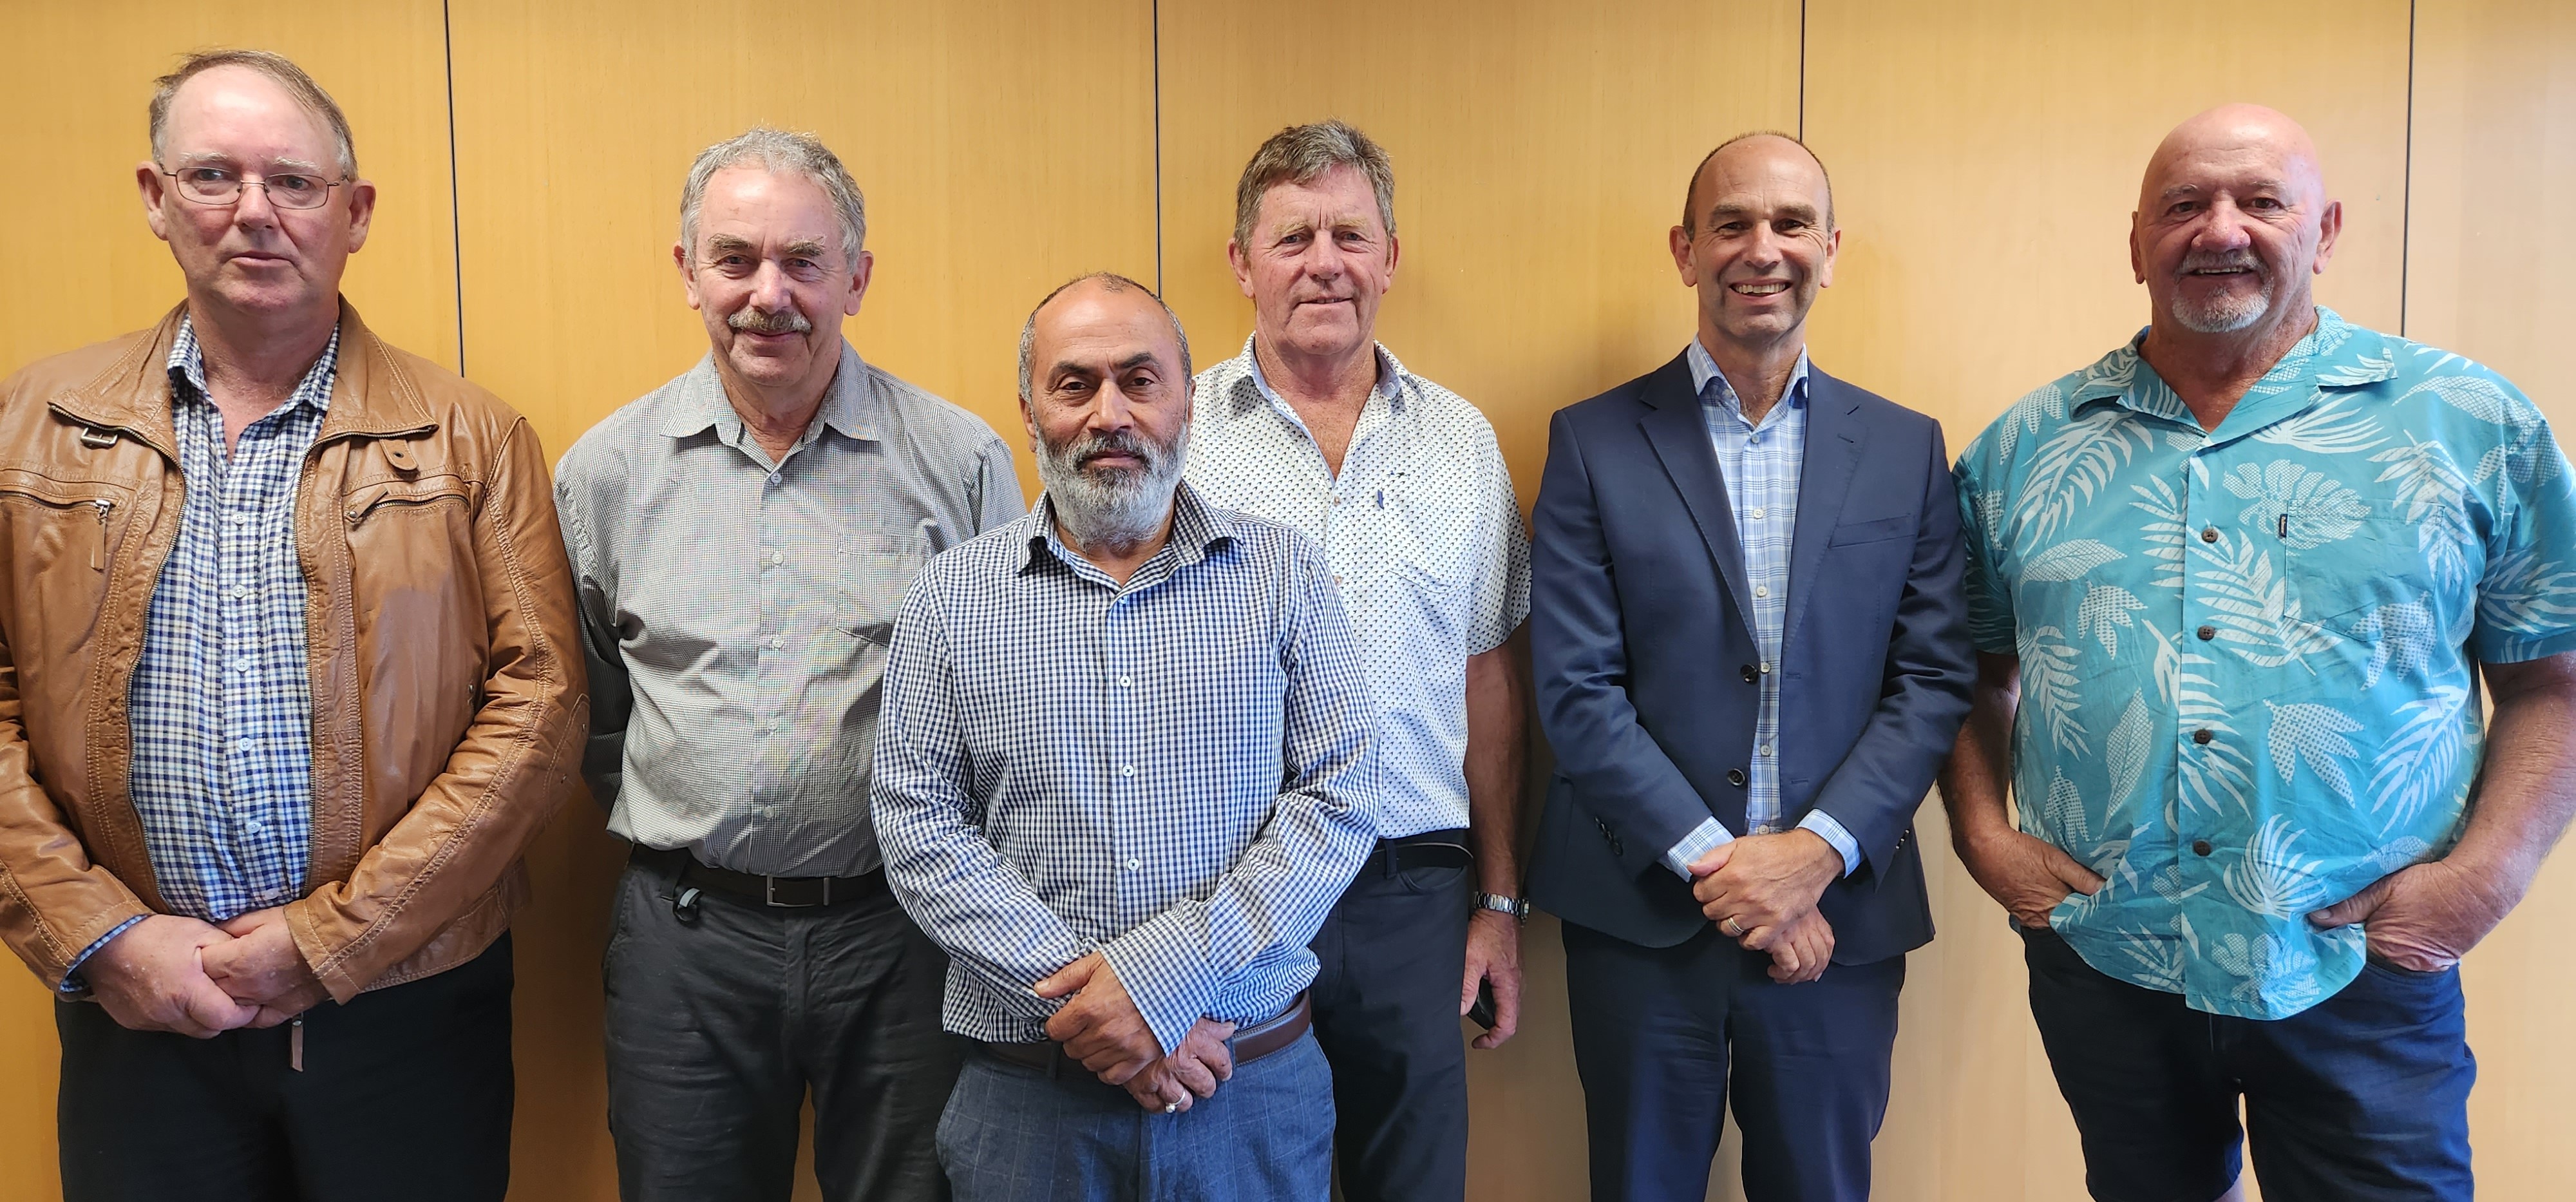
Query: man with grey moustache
741	538
1127	763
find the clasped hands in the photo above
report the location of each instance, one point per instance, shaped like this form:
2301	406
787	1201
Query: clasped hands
1761	891
193	978
1101	1028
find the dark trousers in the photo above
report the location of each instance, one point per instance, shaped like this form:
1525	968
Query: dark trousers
717	1027
2362	1097
405	1094
1016	1134
1394	950
1661	1034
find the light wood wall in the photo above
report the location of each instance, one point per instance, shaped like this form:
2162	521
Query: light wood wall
1985	156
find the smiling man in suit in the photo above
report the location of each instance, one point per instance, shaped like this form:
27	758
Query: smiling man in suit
1751	656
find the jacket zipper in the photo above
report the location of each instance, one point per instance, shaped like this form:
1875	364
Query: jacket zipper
98	554
358	517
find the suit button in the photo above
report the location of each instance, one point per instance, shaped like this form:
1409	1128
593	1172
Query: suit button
1617	850
2200	847
2209	534
1746	672
2202	737
2207	633
1735	777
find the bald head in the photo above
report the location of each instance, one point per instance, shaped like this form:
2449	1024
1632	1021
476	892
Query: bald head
1762	153
2233	222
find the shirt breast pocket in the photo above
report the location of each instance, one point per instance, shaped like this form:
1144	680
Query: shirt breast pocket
875	569
2390	596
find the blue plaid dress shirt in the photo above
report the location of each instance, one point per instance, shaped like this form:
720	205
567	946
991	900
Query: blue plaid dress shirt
221	707
1179	773
1761	464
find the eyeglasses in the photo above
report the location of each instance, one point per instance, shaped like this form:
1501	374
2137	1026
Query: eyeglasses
223	186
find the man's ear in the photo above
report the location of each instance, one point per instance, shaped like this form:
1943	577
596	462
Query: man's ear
688	278
153	185
859	283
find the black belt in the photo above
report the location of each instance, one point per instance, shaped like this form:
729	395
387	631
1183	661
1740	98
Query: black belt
1430	849
784	892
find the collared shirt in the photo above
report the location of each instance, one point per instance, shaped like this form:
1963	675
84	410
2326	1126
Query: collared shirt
2248	654
1423	534
1760	462
221	701
736	609
1178	772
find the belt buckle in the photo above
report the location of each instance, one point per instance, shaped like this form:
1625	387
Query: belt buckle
769	895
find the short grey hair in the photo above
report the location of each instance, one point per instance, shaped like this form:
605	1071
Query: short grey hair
279	69
778	152
1301	154
1690	191
1109	281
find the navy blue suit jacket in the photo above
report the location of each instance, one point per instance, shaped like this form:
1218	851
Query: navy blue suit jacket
1645	656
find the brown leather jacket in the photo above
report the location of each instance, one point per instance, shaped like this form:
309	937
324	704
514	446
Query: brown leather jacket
449	706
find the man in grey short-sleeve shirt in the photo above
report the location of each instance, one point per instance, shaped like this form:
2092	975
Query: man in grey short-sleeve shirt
742	537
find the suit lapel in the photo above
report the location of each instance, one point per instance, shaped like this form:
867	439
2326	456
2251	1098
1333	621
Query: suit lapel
1834	440
1679	435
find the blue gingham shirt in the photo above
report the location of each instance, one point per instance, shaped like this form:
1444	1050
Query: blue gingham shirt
1179	773
221	705
1760	463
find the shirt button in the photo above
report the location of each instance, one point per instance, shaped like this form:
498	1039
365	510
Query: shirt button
2207	633
1766	749
1123	681
1757	513
1766	667
2202	736
2200	847
243	746
1126	769
1761	590
779	643
774	477
254	826
242	665
1337	578
2209	534
1133	864
777	557
241	590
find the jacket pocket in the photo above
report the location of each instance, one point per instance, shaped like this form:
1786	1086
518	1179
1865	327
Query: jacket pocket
1872	530
366	502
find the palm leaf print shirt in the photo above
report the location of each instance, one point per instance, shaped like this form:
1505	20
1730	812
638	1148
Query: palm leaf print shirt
2248	654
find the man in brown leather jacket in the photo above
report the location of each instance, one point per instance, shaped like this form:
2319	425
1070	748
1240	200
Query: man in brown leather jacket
288	679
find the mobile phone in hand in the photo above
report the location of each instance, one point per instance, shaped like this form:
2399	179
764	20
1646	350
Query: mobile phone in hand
1483	1010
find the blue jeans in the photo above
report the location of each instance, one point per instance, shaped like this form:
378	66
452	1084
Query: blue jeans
1012	1134
2362	1097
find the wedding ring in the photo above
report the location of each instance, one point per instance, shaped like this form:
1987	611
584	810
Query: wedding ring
1733	929
1171	1108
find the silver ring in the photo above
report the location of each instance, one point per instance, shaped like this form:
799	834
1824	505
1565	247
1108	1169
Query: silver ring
1733	929
1171	1108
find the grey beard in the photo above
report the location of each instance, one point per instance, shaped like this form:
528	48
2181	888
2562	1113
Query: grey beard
1112	508
2224	315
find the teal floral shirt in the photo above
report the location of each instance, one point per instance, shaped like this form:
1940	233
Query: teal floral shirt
2248	655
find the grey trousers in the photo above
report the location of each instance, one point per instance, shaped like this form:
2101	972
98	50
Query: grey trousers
1012	1134
716	1029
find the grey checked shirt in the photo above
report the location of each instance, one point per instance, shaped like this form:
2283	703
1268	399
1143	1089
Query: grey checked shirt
735	611
1424	537
1178	773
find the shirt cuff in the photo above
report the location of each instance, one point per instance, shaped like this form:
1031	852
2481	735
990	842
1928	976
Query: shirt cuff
1708	836
1831	831
72	985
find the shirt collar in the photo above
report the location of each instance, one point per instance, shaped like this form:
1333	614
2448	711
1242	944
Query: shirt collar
1197	529
188	366
1703	368
1390	378
850	405
2336	354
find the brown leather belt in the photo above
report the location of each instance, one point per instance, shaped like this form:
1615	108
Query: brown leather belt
783	892
1249	1044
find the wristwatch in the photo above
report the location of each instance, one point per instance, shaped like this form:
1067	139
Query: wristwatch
1517	907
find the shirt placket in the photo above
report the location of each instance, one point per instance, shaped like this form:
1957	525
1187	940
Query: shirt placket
1122	659
770	697
247	519
1762	491
2197	838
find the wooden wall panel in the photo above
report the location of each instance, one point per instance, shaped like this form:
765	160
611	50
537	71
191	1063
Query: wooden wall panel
1986	156
2488	251
1541	151
77	80
1003	148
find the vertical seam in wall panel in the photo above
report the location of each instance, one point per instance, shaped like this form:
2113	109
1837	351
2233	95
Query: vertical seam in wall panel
2406	194
1802	70
455	207
1157	8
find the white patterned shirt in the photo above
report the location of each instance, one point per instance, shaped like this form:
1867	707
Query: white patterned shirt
1177	772
1424	536
1761	464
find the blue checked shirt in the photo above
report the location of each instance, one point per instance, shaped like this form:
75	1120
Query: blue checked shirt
1760	464
1179	773
221	706
2249	654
